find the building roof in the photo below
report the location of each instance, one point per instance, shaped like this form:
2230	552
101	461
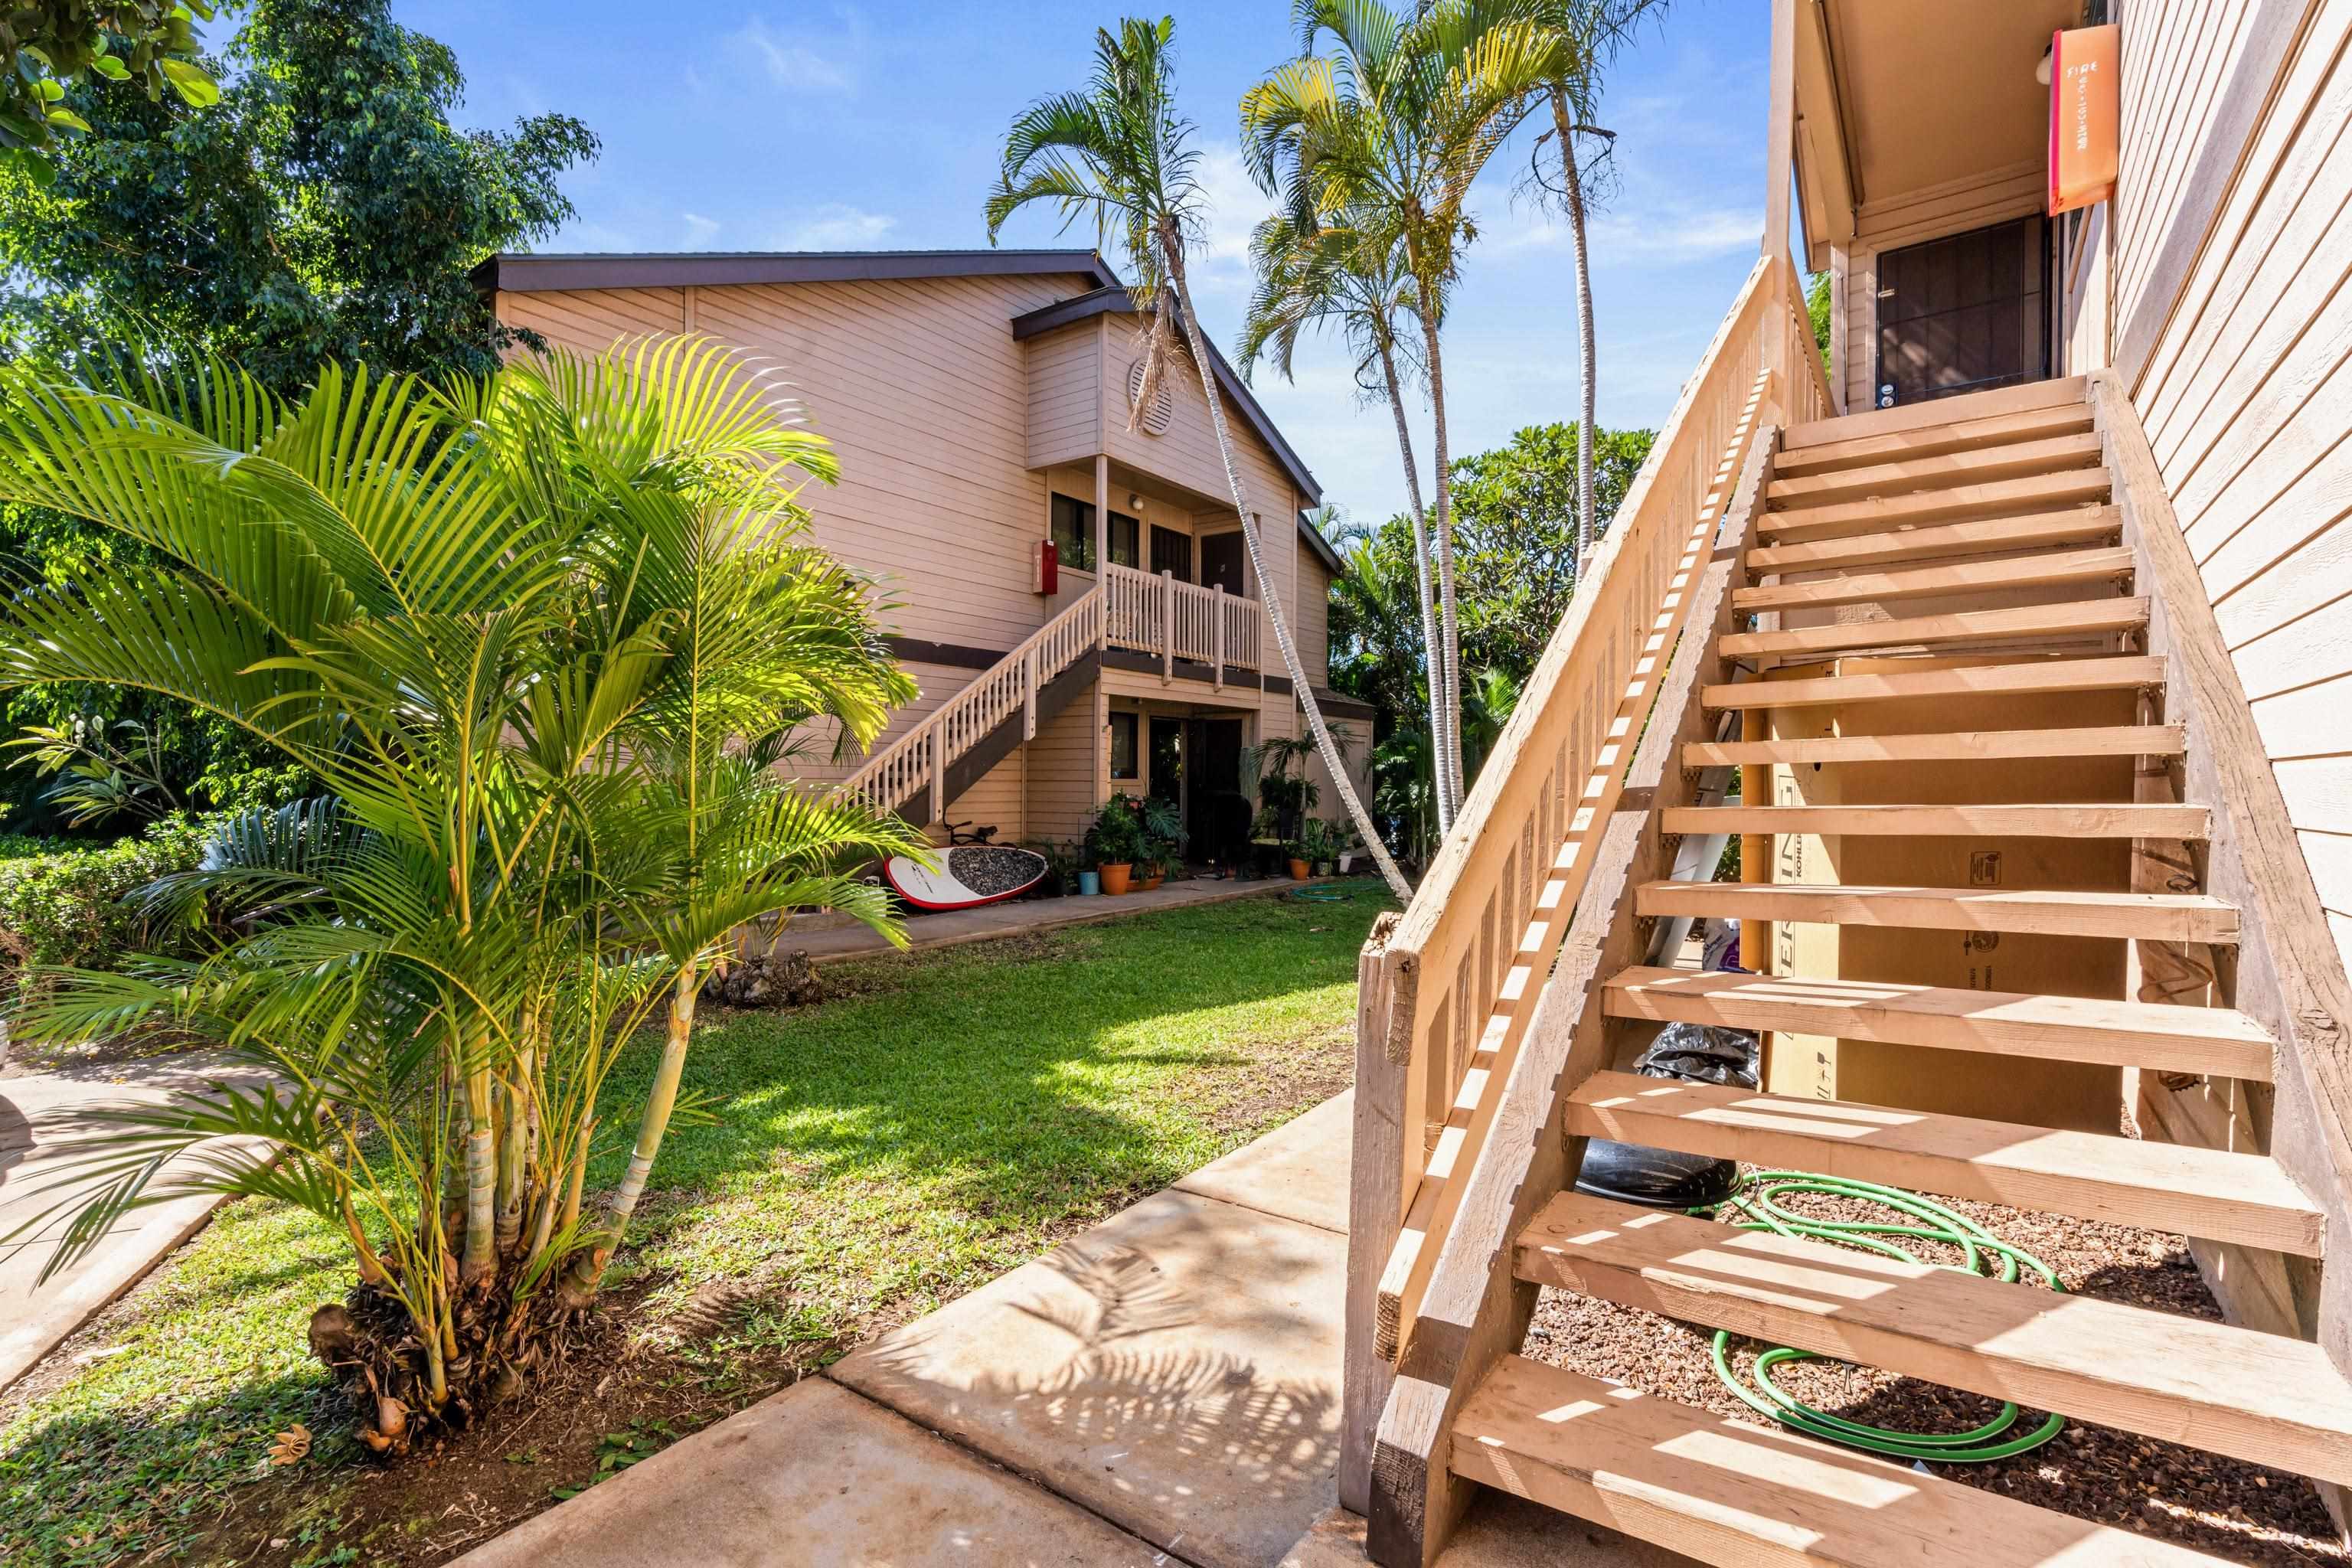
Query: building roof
1112	299
522	273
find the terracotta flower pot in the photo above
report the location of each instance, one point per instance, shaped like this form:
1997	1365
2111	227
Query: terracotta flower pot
1154	880
1115	878
1298	870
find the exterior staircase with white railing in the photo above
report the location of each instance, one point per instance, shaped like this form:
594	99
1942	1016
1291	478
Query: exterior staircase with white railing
966	735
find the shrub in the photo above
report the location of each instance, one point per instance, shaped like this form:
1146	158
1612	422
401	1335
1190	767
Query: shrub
76	905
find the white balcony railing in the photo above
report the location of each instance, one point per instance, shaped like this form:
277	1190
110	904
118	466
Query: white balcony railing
1159	614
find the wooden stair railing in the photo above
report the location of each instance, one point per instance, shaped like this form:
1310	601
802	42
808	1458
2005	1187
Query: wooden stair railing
1446	990
2247	1093
917	763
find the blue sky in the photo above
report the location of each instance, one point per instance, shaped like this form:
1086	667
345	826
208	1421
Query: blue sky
841	126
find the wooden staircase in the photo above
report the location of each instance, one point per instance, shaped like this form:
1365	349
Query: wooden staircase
2006	561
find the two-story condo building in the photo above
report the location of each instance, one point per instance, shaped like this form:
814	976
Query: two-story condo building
979	401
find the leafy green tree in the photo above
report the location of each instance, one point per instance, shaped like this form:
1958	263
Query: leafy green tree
1817	310
1122	154
46	45
540	634
1517	508
326	209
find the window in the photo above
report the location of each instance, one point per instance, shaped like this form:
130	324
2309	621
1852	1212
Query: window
1074	533
1122	746
1171	551
1126	536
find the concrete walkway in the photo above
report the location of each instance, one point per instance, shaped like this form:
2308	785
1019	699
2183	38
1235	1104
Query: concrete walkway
37	1113
1164	1389
849	939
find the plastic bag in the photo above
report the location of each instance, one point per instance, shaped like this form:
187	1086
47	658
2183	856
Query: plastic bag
1702	1053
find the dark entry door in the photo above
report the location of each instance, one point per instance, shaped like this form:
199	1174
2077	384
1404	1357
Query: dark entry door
1217	813
1167	760
1171	551
1221	562
1964	313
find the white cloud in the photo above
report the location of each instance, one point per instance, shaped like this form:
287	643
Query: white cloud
1646	231
698	229
1234	206
836	226
792	61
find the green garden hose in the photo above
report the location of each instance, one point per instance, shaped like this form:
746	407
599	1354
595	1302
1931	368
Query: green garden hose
1756	1207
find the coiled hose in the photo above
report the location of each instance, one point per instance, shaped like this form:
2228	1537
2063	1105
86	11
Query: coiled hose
1756	1205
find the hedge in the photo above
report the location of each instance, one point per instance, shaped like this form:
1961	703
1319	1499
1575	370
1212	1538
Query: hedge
73	905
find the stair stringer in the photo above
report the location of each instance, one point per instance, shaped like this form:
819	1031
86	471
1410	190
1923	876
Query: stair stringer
1013	734
1475	1311
2288	975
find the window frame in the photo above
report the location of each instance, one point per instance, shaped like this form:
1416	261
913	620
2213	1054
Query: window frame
1133	728
1082	516
1134	546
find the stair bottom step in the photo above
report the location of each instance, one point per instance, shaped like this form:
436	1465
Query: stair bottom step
1741	1495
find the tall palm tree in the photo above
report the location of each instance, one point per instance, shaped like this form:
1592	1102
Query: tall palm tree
1120	153
1388	132
1595	31
514	625
1312	279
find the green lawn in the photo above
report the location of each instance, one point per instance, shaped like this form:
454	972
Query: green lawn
943	1117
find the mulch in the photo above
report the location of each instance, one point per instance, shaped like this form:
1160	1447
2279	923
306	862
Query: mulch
2236	1512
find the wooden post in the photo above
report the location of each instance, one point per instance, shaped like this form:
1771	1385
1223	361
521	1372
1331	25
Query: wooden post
1167	624
1781	133
1029	694
1102	516
1375	1210
939	773
1217	616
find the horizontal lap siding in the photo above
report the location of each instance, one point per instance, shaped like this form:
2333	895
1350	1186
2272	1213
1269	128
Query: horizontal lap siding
1058	782
1066	394
2247	386
924	393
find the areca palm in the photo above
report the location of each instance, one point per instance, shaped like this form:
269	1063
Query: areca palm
1384	137
521	628
1308	278
1121	154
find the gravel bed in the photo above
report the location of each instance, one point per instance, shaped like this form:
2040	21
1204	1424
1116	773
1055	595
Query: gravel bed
989	868
2236	1512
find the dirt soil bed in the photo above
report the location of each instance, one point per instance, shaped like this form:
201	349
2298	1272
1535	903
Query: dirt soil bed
2236	1512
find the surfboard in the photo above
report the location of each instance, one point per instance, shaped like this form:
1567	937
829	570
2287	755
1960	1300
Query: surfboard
968	876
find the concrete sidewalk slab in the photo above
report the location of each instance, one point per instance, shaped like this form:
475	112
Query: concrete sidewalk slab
1175	1370
1298	1170
39	1114
815	1475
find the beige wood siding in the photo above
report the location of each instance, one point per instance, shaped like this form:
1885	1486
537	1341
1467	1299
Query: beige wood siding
1312	627
923	391
2247	389
1065	395
1058	781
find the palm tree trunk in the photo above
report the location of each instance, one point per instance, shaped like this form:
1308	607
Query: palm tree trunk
1450	777
481	1258
1300	684
1429	643
1572	185
588	1272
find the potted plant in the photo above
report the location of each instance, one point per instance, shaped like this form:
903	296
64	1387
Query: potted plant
1117	842
1290	795
1163	840
1301	867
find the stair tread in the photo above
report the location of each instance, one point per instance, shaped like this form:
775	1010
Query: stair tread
2208	1193
1976	536
1953	745
1964	435
2161	1035
1913	472
2028	821
1738	1496
2255	1396
1956	577
2074	617
2160	917
1966	680
1996	497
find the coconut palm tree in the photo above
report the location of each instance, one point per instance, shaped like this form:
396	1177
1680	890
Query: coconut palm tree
1388	132
1120	154
1596	30
521	629
1314	279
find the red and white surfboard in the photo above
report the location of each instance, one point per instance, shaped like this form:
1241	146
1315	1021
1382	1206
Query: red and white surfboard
968	876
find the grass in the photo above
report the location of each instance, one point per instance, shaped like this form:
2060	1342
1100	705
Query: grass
940	1119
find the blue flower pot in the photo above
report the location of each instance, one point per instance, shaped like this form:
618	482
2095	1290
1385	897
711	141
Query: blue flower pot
1089	884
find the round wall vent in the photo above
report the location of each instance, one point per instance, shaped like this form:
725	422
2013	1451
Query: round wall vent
1156	418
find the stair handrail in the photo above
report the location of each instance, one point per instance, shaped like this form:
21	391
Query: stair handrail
919	758
1446	990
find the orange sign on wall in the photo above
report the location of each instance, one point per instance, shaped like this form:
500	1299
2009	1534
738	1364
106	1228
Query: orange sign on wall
2084	115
